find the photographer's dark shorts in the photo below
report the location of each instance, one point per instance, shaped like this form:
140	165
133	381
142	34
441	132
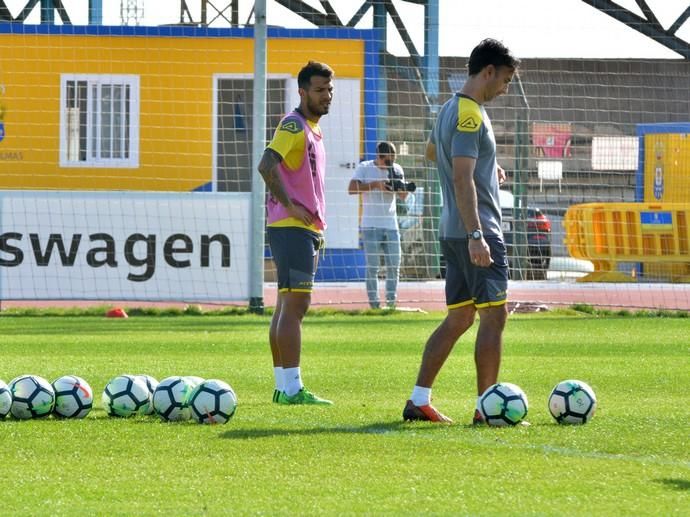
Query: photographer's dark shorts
467	284
295	252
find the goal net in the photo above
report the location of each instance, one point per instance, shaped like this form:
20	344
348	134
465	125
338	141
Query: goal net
126	157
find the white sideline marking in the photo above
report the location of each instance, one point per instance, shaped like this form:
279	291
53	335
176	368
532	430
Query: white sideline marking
550	449
564	451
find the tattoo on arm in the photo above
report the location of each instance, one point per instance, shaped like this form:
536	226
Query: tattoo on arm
268	170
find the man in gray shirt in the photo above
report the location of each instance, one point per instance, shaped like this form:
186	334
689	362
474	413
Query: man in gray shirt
380	234
463	146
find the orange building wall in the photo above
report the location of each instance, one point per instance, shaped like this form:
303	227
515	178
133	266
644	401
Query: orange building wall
176	96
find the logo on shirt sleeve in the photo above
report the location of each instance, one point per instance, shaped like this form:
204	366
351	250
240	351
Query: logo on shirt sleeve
469	115
469	123
291	125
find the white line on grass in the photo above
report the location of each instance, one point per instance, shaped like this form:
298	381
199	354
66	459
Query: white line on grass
548	449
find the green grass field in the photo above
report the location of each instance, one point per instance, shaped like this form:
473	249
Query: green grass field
358	456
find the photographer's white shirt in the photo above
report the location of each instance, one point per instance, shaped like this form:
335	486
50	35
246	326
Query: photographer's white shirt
378	206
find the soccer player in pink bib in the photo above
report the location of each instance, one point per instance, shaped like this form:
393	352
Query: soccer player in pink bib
293	167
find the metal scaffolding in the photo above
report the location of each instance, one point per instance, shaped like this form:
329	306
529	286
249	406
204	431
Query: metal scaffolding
131	12
227	12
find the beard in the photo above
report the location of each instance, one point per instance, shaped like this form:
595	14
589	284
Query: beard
317	108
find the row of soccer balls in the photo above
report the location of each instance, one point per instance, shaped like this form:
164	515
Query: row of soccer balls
175	398
212	401
570	402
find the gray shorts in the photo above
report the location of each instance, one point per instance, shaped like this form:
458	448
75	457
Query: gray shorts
295	252
468	284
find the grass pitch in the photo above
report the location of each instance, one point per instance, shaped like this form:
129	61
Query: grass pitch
358	456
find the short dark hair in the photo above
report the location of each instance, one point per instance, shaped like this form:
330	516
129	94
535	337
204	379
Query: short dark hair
310	70
490	52
385	147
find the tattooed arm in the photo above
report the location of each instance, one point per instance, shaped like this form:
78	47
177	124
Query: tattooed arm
268	169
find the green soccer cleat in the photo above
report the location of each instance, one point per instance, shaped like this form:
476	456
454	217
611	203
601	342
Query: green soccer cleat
303	396
276	396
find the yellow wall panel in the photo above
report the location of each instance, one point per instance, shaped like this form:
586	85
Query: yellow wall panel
176	95
667	167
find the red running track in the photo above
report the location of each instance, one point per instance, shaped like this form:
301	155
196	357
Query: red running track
429	296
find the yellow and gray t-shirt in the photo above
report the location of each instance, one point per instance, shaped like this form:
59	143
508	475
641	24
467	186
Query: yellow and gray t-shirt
463	129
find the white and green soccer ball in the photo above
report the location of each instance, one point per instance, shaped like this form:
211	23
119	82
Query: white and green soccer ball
32	397
171	399
126	395
151	384
5	399
503	404
572	402
73	397
213	402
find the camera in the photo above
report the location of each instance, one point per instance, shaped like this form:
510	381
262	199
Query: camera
402	186
395	181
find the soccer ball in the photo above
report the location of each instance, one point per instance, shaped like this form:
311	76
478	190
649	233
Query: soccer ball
151	384
213	402
503	404
572	402
73	397
126	395
5	399
170	399
32	397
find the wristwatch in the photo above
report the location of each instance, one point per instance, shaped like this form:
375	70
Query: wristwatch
476	235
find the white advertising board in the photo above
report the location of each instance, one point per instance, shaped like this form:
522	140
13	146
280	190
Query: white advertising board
124	246
615	153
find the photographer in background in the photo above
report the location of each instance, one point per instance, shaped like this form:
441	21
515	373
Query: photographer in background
380	181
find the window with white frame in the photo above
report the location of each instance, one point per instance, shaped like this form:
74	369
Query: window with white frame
99	121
